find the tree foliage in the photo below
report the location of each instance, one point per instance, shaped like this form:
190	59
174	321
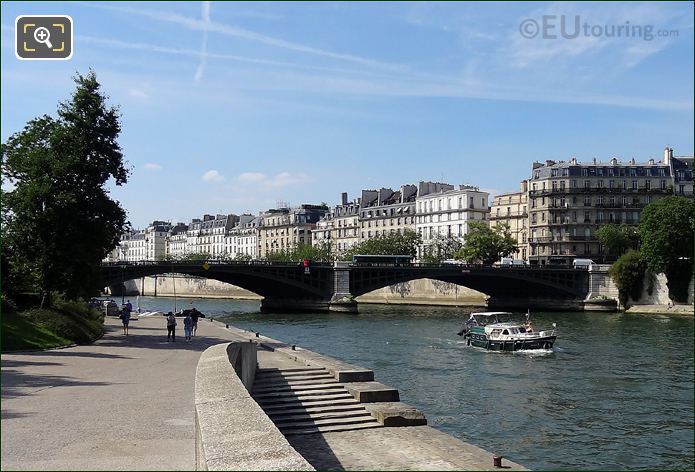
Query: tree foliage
667	230
618	238
320	253
485	245
628	274
441	249
58	219
405	243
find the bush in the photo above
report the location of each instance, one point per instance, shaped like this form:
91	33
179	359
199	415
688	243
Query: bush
628	274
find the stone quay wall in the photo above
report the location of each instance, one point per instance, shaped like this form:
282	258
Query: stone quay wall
415	292
232	431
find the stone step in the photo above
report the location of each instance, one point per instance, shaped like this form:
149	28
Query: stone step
286	410
290	371
347	401
369	392
334	428
358	413
292	393
294	380
302	424
295	388
304	400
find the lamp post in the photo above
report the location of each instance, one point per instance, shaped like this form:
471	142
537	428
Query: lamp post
123	284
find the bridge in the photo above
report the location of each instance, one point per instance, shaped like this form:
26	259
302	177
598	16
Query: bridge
332	287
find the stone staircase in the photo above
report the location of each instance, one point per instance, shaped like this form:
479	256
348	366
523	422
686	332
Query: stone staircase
305	400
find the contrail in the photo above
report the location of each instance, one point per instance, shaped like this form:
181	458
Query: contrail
204	46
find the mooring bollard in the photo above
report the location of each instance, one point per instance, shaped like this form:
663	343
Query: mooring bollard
497	461
258	335
294	348
226	325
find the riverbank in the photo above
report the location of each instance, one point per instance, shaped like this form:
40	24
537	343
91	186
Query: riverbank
65	324
677	310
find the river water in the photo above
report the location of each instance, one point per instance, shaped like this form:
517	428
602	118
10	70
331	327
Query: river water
616	391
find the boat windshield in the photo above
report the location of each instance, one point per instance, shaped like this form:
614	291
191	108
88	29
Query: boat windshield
518	318
482	319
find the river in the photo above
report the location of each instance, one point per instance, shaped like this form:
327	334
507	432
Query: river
616	392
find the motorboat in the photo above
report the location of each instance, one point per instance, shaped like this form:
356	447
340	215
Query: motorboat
498	331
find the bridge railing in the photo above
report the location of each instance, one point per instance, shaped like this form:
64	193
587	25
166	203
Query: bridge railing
420	265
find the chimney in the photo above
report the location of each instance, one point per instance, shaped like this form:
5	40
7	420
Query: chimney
594	161
574	161
344	198
668	155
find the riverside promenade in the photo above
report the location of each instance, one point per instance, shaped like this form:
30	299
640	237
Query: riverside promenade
127	403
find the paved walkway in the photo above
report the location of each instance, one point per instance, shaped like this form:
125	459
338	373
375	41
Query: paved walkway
127	403
121	403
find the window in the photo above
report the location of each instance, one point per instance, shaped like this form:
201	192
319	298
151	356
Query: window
634	183
587	184
663	184
587	200
648	184
611	183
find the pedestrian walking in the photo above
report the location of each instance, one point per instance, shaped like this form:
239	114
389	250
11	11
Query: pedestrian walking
171	327
195	315
125	318
130	306
187	326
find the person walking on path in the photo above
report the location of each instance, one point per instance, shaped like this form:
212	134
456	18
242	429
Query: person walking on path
129	305
187	326
125	318
171	327
195	314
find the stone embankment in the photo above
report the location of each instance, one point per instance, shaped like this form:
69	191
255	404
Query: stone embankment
299	410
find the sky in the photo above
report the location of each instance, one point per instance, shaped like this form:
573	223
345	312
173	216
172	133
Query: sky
235	107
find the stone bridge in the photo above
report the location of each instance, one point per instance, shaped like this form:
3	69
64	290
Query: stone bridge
323	286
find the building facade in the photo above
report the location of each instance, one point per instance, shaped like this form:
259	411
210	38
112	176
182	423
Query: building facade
242	239
386	211
284	228
339	227
445	211
511	209
568	201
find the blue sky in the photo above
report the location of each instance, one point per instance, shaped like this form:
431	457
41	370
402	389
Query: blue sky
232	107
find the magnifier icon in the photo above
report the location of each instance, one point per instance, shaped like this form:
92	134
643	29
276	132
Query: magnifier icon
42	35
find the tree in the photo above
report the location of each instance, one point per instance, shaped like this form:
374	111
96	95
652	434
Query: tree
441	249
60	220
628	274
618	238
405	243
322	252
667	230
485	245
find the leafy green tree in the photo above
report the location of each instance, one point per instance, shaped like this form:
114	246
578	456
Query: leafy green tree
485	245
322	252
441	249
628	274
59	219
667	229
618	238
404	243
195	256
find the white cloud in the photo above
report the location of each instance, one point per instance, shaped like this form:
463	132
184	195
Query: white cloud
212	176
138	93
153	166
251	177
283	179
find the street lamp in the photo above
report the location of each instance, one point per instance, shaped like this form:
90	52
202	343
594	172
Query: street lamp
123	284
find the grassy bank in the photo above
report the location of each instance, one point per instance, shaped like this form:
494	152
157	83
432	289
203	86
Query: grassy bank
63	324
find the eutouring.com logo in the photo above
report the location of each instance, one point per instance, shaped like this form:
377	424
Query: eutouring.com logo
572	27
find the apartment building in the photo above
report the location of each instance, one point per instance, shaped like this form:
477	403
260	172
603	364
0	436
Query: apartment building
340	226
568	201
511	209
242	239
283	228
386	211
443	210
